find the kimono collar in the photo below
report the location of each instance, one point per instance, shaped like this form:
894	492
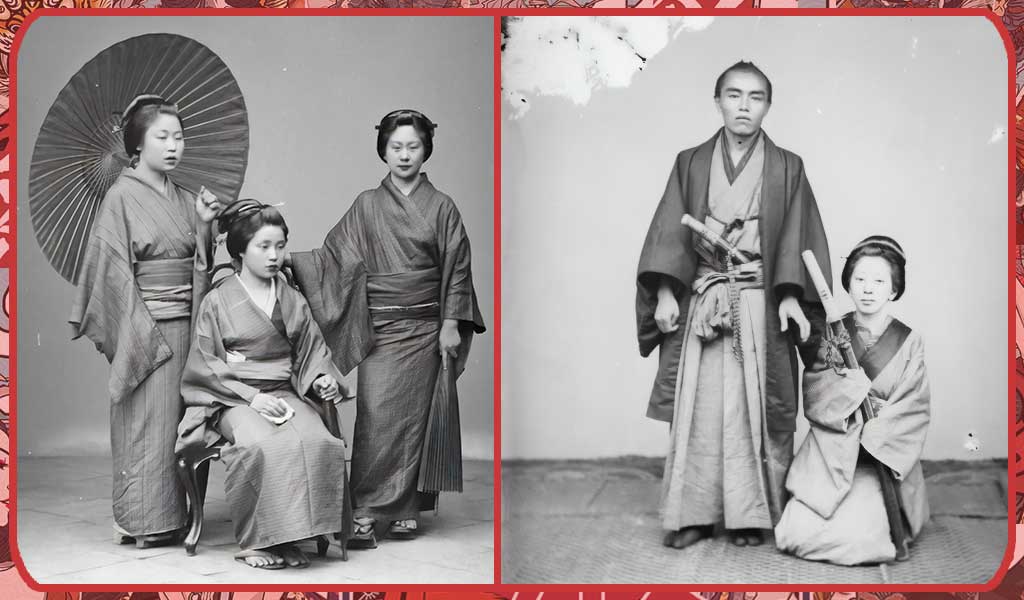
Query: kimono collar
875	358
732	171
391	187
703	151
130	173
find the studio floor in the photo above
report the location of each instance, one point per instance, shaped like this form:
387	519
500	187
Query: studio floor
597	522
64	534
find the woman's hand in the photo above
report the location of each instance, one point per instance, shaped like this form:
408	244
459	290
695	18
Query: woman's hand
666	315
448	341
207	205
789	308
269	405
327	388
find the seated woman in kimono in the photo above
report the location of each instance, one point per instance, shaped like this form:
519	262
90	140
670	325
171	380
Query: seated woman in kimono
256	356
836	513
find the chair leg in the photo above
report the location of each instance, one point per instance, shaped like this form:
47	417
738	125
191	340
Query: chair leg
186	472
202	478
189	463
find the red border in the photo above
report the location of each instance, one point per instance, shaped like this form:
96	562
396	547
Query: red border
497	13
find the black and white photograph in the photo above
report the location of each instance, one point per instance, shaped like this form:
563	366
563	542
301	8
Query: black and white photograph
754	300
256	300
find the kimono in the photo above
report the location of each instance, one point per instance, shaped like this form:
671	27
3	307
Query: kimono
389	272
146	268
836	513
284	482
727	376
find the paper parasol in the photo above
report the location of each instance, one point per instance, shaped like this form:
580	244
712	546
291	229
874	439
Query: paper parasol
80	152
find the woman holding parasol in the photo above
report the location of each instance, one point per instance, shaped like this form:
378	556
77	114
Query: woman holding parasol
392	290
146	269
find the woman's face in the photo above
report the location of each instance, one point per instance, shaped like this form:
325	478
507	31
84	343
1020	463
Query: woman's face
265	252
163	144
871	285
404	153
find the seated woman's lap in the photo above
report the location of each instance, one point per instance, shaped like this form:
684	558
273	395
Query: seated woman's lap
242	425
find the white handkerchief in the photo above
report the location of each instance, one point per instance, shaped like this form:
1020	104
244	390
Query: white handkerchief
282	419
235	357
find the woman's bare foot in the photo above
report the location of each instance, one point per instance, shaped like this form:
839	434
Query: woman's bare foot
293	557
260	559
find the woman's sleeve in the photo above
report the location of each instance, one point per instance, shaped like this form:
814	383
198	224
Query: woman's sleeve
207	379
108	306
311	357
830	396
897	434
459	300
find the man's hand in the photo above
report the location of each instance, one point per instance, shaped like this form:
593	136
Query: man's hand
789	308
666	315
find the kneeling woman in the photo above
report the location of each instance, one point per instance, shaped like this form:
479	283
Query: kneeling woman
256	356
837	513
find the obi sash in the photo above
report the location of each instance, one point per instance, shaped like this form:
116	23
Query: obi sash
166	286
262	370
717	297
408	295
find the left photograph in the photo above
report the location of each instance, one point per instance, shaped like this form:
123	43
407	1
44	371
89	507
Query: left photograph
255	290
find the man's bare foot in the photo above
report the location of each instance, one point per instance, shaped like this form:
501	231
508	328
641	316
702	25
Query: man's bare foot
687	536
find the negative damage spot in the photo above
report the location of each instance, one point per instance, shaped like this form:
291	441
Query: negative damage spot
573	57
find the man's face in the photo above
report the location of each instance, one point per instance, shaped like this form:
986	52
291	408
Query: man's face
743	102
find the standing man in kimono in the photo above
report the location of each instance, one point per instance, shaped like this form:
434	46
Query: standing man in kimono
726	334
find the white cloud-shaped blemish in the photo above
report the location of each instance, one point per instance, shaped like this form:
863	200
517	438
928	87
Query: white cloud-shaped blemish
913	47
573	56
998	135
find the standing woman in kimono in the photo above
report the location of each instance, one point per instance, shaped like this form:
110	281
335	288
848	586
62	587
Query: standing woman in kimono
257	356
836	512
393	292
145	270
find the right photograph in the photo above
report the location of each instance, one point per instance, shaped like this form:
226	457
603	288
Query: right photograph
755	300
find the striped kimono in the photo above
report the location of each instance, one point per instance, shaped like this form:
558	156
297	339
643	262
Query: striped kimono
389	272
284	482
145	269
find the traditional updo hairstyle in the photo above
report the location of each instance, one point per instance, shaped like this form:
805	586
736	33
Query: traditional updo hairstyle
137	118
885	247
242	219
393	120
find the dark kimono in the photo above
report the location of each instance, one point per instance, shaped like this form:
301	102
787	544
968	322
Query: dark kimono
389	272
145	269
286	482
837	513
727	377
